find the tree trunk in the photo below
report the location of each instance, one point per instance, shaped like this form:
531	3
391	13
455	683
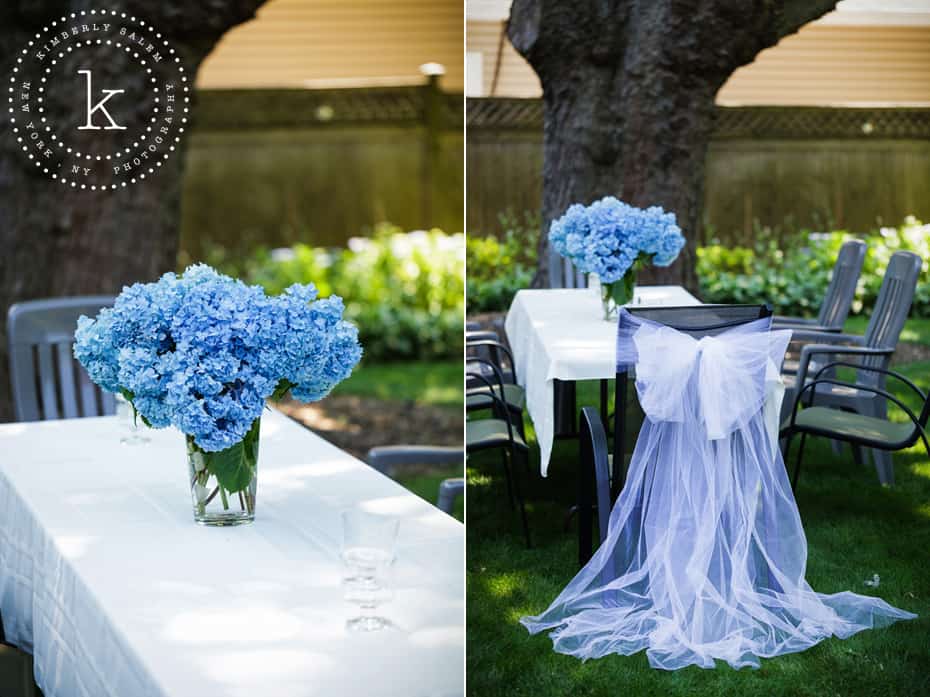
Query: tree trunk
61	240
629	92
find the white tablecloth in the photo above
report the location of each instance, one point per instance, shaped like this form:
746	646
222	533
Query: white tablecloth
561	334
106	578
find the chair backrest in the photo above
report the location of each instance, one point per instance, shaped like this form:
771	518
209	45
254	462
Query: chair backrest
842	289
891	308
702	320
494	351
449	491
47	382
563	274
386	458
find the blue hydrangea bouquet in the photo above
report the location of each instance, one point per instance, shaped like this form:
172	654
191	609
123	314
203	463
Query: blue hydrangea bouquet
202	352
615	240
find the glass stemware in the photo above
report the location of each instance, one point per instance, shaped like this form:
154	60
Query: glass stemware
130	424
368	555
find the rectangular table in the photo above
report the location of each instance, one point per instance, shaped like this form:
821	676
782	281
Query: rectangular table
106	578
561	334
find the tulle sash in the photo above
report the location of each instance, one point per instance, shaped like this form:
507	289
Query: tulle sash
729	370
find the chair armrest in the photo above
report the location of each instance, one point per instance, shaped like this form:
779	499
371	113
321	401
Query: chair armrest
826	337
866	388
493	366
805	327
386	457
496	346
809	350
481	335
789	319
872	369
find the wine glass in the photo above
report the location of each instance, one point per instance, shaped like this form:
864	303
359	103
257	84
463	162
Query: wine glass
368	555
129	422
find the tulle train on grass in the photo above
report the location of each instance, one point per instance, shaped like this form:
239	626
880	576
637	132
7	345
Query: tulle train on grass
705	556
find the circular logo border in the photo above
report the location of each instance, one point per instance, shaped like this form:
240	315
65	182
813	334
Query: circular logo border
146	141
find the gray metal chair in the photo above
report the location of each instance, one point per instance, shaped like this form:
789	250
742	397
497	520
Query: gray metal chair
594	477
47	382
386	459
879	434
873	351
840	294
501	434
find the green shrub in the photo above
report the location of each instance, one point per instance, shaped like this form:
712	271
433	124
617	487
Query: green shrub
499	266
790	271
793	276
403	290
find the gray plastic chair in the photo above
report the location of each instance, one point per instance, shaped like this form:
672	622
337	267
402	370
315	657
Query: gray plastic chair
449	491
47	382
387	458
563	274
841	292
873	350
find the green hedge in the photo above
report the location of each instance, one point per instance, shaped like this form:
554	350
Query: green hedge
792	274
403	290
498	266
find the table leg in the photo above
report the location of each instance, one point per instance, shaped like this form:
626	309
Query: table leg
566	409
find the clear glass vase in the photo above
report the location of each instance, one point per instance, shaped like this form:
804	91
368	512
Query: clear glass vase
617	294
223	483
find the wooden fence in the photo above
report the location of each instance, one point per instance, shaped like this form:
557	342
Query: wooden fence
273	167
784	167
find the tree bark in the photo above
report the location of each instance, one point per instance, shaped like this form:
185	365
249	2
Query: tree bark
628	93
58	240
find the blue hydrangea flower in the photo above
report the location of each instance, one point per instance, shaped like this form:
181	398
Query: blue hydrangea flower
202	351
608	236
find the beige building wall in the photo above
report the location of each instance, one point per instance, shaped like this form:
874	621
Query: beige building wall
340	43
823	64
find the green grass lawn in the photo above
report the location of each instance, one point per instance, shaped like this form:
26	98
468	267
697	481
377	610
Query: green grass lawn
855	528
440	383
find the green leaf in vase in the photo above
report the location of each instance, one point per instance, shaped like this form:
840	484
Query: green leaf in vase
234	467
230	467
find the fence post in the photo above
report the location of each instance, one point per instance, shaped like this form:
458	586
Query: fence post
432	129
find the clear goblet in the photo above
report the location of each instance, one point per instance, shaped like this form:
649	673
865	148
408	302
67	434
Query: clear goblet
368	555
131	426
